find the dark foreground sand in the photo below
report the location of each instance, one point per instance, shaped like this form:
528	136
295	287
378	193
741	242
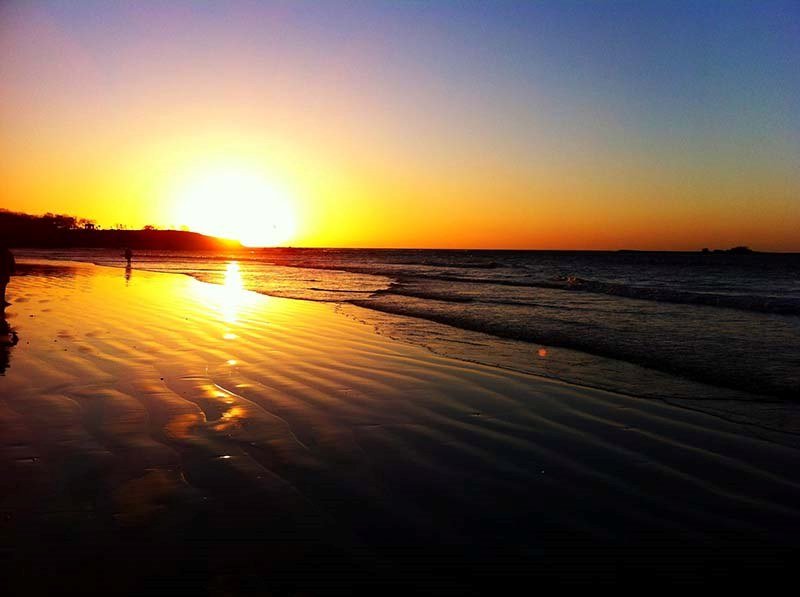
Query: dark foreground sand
159	436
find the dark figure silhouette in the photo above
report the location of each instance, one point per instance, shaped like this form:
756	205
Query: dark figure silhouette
128	255
8	338
7	267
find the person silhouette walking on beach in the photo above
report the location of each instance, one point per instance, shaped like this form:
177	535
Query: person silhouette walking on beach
128	255
7	268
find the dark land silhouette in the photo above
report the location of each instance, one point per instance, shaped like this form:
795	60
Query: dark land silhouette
8	339
7	269
63	231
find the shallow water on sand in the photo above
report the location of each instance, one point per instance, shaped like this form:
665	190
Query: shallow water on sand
727	322
195	435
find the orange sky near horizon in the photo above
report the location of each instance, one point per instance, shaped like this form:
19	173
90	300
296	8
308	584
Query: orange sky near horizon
370	147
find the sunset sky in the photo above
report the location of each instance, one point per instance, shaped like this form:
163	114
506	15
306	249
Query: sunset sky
585	125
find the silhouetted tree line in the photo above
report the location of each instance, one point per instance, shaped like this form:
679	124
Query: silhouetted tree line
63	231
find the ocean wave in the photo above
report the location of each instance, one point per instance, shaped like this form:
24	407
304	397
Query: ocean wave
451	264
727	324
755	371
761	304
408	269
744	302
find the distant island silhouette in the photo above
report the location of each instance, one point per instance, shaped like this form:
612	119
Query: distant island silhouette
63	231
740	250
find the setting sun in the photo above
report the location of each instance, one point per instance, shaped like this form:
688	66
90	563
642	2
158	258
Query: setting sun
236	203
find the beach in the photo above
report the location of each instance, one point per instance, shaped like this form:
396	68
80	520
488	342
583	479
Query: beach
162	433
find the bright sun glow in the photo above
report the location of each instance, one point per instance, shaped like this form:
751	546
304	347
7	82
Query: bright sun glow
236	203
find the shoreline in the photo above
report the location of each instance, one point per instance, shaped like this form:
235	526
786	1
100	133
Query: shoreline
152	405
732	352
773	417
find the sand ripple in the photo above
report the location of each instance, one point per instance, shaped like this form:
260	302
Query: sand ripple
267	435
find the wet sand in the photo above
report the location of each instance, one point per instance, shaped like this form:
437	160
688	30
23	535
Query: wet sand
162	434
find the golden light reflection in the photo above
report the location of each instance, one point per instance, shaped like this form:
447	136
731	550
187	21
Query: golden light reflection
181	426
213	392
233	277
229	299
230	418
234	288
233	296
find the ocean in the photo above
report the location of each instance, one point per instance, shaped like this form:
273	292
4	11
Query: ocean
672	326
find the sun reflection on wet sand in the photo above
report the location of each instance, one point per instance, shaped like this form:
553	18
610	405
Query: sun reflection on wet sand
233	288
230	418
182	426
229	299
